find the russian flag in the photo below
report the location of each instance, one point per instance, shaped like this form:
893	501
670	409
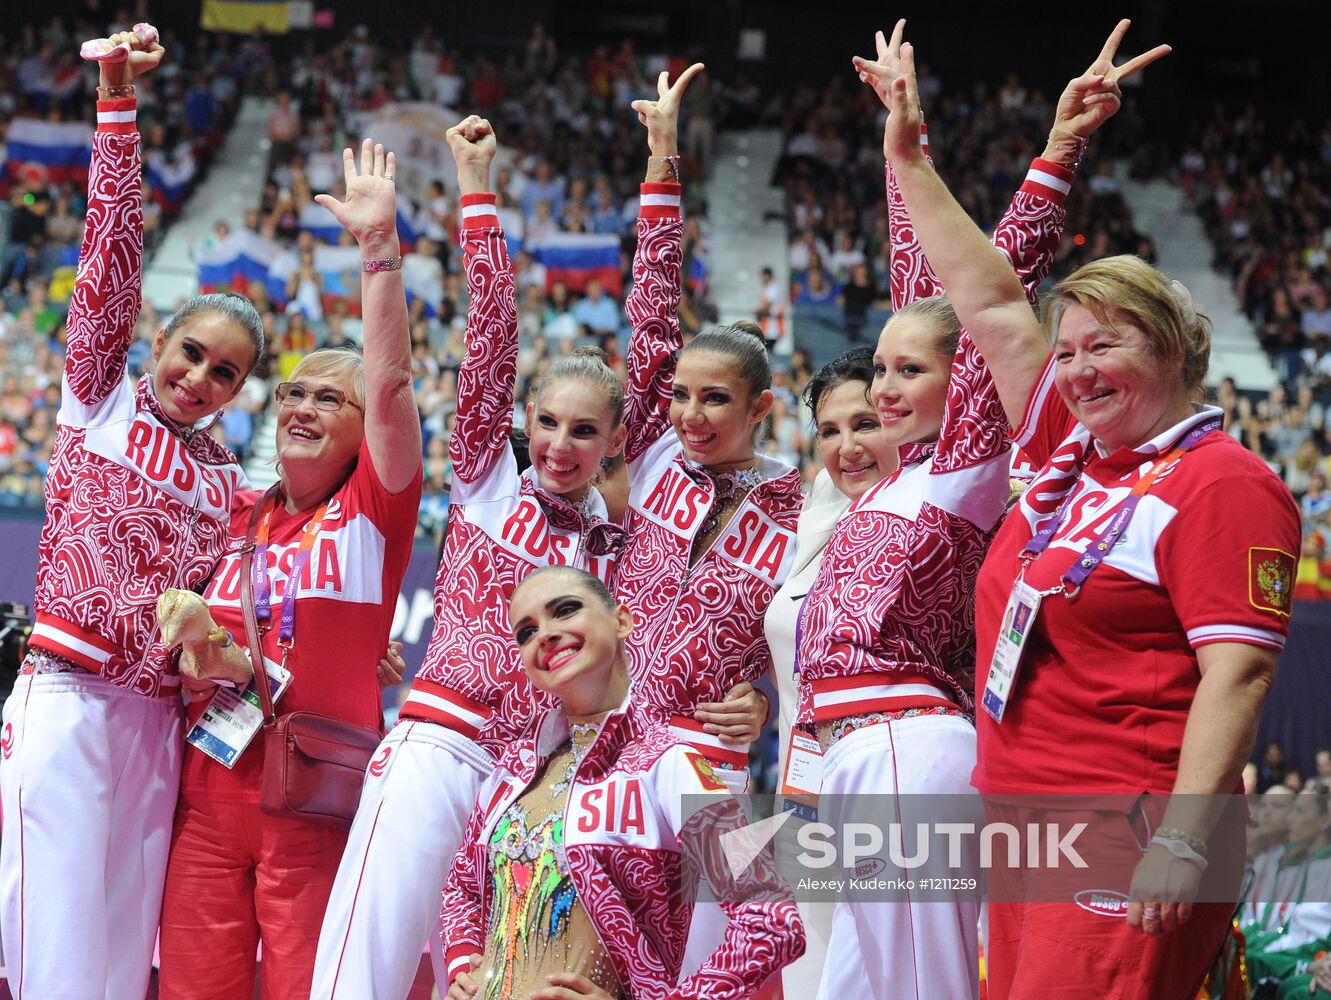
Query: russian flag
407	230
239	259
324	227
170	181
577	258
320	223
62	148
339	267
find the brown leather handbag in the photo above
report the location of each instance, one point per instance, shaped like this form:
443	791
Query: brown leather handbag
313	765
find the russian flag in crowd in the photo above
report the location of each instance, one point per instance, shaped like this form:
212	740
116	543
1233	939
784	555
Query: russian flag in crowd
62	148
170	182
236	261
577	258
324	227
245	257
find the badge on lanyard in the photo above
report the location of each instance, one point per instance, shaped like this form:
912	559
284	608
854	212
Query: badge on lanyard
1018	622
231	720
803	779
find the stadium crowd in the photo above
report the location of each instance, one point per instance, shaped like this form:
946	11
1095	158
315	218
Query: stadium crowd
1271	226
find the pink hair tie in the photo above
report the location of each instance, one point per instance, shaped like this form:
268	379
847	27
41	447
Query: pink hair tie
101	49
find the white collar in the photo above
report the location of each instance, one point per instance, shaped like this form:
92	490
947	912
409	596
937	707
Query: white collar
1169	437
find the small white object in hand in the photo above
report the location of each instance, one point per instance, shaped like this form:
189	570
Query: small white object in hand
101	49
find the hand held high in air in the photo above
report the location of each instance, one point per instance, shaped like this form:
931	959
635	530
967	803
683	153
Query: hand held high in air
369	212
661	116
473	144
881	72
1091	99
901	134
143	56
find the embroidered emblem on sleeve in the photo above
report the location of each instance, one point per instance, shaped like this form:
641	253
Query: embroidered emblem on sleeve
706	776
1271	580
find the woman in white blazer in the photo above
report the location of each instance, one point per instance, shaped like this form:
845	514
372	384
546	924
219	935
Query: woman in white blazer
848	433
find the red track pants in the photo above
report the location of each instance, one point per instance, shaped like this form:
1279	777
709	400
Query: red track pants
237	877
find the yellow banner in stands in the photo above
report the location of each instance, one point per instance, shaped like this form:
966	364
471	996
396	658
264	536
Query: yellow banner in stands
243	16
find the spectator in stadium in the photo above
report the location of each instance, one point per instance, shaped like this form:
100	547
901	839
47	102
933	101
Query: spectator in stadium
283	131
856	296
1312	579
595	312
1280	954
349	451
1130	355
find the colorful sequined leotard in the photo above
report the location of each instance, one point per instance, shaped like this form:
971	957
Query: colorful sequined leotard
537	924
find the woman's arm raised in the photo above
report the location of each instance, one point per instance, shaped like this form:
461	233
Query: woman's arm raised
107	293
652	305
908	269
369	213
489	370
987	296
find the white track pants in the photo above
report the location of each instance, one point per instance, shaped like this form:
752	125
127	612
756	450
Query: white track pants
89	774
419	794
902	950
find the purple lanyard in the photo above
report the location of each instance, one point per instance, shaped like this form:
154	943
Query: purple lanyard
800	615
259	571
1099	549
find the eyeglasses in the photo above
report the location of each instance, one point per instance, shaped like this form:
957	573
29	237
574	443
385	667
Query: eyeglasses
328	400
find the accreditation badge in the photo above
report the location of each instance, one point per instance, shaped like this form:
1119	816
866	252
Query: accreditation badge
233	717
803	779
1018	622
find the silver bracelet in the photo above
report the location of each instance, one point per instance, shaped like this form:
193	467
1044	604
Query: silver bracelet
383	264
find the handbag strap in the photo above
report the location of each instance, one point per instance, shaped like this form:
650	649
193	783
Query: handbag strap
247	610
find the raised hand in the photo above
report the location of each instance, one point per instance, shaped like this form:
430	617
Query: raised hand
1093	98
661	116
473	143
117	70
901	134
369	212
880	73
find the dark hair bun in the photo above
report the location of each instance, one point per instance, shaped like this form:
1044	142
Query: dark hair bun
750	327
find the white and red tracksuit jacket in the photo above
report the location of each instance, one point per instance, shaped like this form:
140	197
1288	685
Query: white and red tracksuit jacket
624	821
889	623
699	631
502	525
135	503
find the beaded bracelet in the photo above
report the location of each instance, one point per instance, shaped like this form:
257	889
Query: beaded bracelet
668	166
115	93
383	264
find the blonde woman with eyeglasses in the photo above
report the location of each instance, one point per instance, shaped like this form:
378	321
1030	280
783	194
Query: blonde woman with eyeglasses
334	538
